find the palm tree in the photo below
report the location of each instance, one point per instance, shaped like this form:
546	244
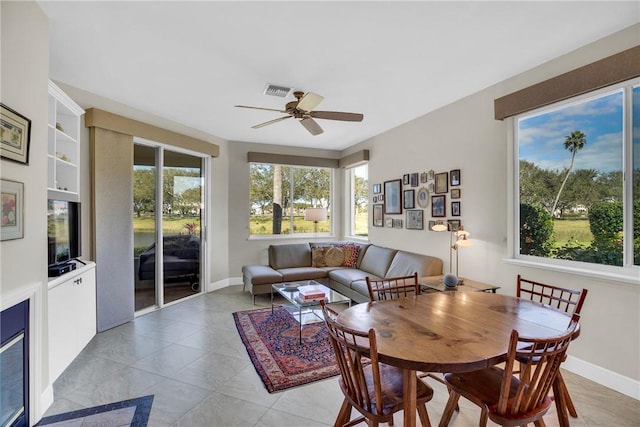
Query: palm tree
574	143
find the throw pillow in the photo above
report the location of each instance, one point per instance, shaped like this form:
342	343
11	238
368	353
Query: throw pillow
351	253
319	255
334	256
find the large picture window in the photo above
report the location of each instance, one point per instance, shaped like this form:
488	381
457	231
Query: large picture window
287	200
578	171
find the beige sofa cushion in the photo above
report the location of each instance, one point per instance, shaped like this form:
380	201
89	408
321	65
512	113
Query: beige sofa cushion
290	255
376	260
407	263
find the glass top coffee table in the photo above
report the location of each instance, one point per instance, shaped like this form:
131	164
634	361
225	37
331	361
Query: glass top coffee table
305	312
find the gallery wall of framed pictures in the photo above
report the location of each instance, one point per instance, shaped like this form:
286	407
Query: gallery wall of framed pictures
417	198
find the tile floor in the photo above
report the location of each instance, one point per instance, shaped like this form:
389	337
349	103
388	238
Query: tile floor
189	355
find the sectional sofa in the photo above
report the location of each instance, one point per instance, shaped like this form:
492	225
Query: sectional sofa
343	266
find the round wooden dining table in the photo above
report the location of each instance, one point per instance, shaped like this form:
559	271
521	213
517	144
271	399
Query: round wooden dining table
449	332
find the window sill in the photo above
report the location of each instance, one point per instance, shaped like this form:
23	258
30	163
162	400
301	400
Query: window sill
306	237
628	275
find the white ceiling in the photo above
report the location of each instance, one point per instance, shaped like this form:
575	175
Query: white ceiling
191	62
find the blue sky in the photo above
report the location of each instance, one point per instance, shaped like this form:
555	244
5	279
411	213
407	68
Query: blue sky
541	138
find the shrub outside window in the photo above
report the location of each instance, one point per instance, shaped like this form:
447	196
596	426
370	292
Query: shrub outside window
574	203
280	195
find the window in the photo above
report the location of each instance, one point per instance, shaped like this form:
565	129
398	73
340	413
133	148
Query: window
358	189
280	195
573	200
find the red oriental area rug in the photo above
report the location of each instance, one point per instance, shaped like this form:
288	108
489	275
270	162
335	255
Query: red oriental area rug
272	341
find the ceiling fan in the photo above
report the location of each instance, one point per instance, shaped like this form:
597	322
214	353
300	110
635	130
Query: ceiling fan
302	109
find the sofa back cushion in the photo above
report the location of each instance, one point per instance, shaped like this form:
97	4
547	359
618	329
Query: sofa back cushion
376	260
407	263
289	255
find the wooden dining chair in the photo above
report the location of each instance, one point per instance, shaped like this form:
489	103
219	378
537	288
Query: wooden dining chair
568	300
508	399
374	389
393	287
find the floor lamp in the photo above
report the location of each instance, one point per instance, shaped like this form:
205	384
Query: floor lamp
315	215
461	240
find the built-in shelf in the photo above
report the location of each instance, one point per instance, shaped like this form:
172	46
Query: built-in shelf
63	149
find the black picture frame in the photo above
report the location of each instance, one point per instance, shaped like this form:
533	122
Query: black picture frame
455	208
454	177
377	188
438	206
15	131
409	199
414	179
405	179
393	197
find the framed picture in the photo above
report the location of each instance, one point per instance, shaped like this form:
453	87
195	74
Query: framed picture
388	222
375	199
455	208
431	174
438	206
423	197
423	177
431	187
405	179
455	177
397	223
380	197
414	179
455	193
409	199
377	188
454	224
442	183
12	226
377	216
393	197
436	222
414	219
15	134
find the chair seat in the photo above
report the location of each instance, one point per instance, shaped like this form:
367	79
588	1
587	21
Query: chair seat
483	388
392	392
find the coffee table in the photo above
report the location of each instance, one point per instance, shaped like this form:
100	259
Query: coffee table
305	312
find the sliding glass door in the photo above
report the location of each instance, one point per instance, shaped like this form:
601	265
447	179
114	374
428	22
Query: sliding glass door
168	214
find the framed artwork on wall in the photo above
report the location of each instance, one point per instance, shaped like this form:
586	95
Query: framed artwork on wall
15	135
438	206
455	177
414	179
409	199
377	188
423	197
377	216
388	222
12	210
397	223
415	219
455	208
442	183
455	193
405	179
454	224
393	197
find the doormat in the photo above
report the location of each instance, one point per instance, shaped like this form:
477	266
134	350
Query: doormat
273	344
132	412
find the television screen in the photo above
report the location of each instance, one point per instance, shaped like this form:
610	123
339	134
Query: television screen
63	229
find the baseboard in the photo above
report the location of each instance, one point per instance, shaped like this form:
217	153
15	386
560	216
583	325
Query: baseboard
46	400
214	286
602	376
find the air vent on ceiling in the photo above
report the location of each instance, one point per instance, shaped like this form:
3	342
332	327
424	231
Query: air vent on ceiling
274	90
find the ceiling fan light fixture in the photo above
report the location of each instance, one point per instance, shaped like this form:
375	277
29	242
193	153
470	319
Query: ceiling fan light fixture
275	90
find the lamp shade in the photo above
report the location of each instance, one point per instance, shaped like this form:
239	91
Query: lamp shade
315	214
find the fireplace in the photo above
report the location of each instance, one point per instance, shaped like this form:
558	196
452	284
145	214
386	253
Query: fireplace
14	365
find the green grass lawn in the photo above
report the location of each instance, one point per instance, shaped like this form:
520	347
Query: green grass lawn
170	225
572	230
262	224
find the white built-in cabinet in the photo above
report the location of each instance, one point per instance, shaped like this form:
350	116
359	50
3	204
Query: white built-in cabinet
63	153
72	315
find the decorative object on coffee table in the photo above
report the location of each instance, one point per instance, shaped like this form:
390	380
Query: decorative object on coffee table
279	358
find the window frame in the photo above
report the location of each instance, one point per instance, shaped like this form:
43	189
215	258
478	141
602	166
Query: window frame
627	273
350	213
291	234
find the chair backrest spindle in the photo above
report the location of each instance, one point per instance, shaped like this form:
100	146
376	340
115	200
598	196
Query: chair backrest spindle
393	287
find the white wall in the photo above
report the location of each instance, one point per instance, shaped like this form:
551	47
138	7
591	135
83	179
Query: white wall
23	87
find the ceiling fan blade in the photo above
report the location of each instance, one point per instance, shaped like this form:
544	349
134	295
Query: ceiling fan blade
309	101
260	108
337	115
311	125
270	122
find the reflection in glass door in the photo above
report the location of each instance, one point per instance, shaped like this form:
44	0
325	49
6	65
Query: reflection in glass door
168	209
181	224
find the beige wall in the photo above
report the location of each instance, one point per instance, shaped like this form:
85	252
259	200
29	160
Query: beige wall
23	87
